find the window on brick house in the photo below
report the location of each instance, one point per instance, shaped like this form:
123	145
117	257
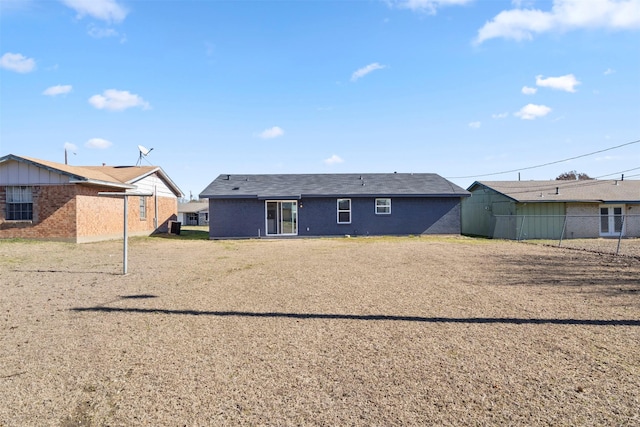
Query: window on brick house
143	207
19	203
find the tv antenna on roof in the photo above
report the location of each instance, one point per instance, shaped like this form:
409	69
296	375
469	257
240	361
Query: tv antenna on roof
143	153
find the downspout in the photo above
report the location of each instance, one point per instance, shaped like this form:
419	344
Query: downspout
155	204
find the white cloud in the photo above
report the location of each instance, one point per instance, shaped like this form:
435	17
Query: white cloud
565	15
474	125
271	133
429	6
500	116
366	70
609	71
17	62
70	147
529	90
333	160
57	90
117	100
100	33
98	143
566	83
532	111
105	10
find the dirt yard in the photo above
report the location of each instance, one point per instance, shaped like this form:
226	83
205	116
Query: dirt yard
326	332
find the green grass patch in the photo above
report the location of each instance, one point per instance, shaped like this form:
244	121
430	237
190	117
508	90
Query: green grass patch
189	232
17	240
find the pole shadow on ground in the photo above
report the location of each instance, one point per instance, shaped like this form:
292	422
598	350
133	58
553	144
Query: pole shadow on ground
367	317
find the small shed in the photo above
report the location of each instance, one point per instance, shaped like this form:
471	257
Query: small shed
552	209
286	205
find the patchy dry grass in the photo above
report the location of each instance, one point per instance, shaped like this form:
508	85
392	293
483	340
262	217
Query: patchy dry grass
624	247
360	331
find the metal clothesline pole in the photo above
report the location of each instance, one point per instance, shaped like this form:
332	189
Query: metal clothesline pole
125	197
125	249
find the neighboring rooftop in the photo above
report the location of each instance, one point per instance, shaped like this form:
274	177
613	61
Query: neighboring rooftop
115	176
331	185
193	207
605	191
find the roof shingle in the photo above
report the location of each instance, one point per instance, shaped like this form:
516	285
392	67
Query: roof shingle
331	185
607	191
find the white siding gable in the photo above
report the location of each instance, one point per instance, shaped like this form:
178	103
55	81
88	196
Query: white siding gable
151	182
18	173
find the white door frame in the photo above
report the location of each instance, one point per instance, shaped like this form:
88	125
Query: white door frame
278	221
608	223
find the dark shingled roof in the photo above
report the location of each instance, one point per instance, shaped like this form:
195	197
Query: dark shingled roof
295	186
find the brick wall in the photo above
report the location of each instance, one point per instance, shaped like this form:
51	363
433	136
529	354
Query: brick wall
167	211
54	215
101	217
76	213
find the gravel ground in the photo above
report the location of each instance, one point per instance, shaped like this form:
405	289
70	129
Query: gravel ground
361	332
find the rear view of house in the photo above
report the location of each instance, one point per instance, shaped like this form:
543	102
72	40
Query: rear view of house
53	201
193	213
552	209
242	206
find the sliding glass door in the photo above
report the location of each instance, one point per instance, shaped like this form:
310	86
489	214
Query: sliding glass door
282	218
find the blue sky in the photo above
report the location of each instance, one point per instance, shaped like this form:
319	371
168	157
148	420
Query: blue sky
462	88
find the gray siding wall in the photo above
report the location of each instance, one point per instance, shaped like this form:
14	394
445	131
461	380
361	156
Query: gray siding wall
318	217
409	215
236	218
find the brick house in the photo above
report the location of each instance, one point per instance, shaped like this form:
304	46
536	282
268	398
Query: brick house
45	200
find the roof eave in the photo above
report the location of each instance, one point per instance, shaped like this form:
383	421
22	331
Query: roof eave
176	190
85	181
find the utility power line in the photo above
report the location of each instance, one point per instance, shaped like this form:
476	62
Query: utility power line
552	184
546	164
617	173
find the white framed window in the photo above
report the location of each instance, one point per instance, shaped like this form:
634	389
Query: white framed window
143	207
344	211
611	220
383	206
19	203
